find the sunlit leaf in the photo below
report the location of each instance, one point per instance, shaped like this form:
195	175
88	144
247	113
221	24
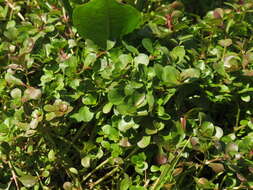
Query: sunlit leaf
84	114
28	180
144	142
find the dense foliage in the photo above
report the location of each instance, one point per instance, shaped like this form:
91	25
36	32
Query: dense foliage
168	106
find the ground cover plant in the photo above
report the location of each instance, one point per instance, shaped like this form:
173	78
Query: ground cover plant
132	94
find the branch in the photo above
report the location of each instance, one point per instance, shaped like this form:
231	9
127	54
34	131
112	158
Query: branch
13	8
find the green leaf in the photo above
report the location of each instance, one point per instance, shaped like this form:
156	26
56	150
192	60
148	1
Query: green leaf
28	180
150	129
67	186
178	53
126	109
124	125
130	48
225	42
116	96
89	59
9	78
45	173
207	129
150	100
3	130
89	99
11	33
107	108
144	142
189	73
16	93
147	44
102	20
73	170
125	183
84	114
125	59
50	116
219	68
169	75
245	98
141	59
219	132
86	161
51	155
139	100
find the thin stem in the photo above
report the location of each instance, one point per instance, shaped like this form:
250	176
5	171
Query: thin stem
97	168
237	116
166	174
13	8
223	54
104	177
146	183
68	7
68	142
14	176
76	136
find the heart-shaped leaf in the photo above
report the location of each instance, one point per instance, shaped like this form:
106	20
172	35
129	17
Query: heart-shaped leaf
84	114
102	20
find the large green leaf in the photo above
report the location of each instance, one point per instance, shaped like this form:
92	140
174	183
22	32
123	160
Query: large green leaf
102	20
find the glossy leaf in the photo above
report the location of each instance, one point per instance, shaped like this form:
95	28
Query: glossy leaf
102	20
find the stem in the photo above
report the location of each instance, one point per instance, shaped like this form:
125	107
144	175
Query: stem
68	142
146	183
166	174
68	7
223	53
13	8
76	136
14	176
237	116
132	152
104	177
98	167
